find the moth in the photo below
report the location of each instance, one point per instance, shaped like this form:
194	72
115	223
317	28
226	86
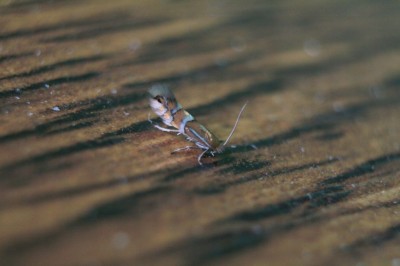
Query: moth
163	102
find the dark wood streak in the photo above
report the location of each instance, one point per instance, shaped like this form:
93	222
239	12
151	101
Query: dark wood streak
312	177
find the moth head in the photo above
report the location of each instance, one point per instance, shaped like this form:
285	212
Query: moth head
162	91
161	99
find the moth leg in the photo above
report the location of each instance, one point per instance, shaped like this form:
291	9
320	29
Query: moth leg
162	128
166	129
185	149
148	118
201	155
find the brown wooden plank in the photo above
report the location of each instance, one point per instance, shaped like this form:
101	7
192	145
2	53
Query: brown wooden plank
312	178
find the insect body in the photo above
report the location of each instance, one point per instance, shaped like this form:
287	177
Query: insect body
165	105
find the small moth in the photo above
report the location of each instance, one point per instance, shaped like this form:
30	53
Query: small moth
164	104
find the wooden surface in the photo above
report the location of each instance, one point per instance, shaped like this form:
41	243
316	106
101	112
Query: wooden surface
313	178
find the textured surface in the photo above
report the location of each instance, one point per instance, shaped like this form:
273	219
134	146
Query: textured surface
313	178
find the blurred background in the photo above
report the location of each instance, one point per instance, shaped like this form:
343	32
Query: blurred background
312	174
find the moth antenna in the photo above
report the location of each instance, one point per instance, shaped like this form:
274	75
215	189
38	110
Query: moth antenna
236	123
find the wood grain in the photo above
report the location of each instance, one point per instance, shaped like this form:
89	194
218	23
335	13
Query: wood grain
312	178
